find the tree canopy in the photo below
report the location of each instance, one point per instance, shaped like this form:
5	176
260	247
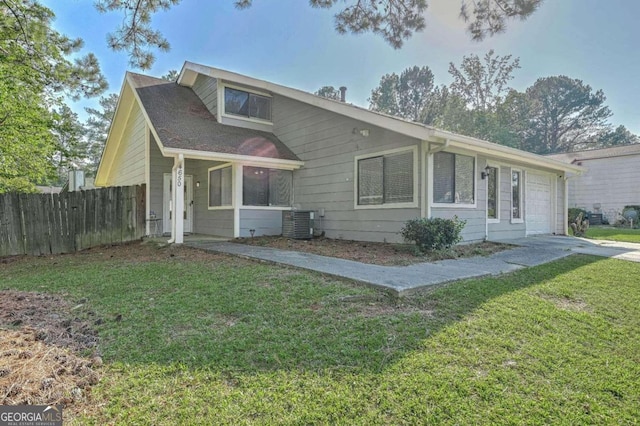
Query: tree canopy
328	92
406	95
36	72
555	114
394	20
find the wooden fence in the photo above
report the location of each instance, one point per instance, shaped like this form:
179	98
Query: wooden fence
37	224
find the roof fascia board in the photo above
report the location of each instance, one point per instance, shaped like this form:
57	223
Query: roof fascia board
101	180
144	112
507	153
216	156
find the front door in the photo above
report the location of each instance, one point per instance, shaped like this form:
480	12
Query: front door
167	203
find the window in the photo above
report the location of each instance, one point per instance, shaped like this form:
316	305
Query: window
246	104
220	187
386	179
453	178
493	191
266	187
516	194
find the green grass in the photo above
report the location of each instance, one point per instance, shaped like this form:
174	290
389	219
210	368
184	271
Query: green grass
226	341
615	234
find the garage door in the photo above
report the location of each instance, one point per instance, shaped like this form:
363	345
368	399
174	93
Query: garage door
538	203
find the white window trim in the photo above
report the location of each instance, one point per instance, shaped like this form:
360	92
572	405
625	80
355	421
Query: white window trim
223	112
241	190
229	207
521	218
475	183
497	218
410	205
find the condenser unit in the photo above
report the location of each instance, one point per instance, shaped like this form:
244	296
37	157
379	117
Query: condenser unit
297	224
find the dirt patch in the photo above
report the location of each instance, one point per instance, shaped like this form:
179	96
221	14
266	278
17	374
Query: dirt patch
386	254
56	320
567	303
48	350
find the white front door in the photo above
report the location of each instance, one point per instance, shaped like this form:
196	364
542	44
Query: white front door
167	203
538	203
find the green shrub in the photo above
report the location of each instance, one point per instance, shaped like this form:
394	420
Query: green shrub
574	212
433	234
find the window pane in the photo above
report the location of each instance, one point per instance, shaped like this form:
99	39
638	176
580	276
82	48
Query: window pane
236	102
220	187
515	197
280	183
398	178
255	186
260	107
370	181
443	177
464	179
492	193
225	183
214	188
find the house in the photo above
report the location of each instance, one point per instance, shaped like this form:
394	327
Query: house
240	151
610	181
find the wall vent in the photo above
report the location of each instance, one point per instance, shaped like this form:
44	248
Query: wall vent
297	224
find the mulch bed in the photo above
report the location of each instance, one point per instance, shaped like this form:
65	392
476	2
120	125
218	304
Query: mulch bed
386	254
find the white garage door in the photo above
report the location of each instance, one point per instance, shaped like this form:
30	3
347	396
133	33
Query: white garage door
538	203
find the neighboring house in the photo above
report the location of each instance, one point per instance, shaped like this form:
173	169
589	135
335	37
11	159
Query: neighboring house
48	189
244	150
610	181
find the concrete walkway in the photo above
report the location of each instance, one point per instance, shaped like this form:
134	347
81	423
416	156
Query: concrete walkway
401	280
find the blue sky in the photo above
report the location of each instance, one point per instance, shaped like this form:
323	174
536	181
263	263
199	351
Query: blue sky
287	42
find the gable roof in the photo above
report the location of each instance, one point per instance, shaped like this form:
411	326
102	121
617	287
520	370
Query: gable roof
420	131
182	121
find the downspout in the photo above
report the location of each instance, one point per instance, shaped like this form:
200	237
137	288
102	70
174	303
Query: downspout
429	173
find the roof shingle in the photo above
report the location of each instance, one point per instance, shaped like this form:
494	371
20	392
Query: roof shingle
182	121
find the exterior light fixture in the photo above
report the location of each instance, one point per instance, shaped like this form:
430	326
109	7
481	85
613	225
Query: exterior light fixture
484	174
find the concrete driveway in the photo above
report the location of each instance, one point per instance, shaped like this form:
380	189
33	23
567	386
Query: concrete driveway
401	280
604	248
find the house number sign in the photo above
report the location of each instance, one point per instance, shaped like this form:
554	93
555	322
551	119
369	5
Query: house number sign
179	178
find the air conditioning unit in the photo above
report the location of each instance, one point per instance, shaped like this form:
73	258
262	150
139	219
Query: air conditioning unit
297	224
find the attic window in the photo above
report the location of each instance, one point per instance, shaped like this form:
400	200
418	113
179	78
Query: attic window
247	104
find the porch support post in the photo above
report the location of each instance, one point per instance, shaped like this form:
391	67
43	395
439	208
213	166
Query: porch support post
237	197
177	177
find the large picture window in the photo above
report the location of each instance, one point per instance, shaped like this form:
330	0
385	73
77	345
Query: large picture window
516	195
266	187
220	187
453	178
385	179
247	104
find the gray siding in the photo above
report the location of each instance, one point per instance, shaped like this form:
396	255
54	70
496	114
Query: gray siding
265	222
328	144
207	90
505	229
205	221
159	165
612	182
129	162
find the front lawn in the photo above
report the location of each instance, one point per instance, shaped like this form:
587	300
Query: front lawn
195	338
615	234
